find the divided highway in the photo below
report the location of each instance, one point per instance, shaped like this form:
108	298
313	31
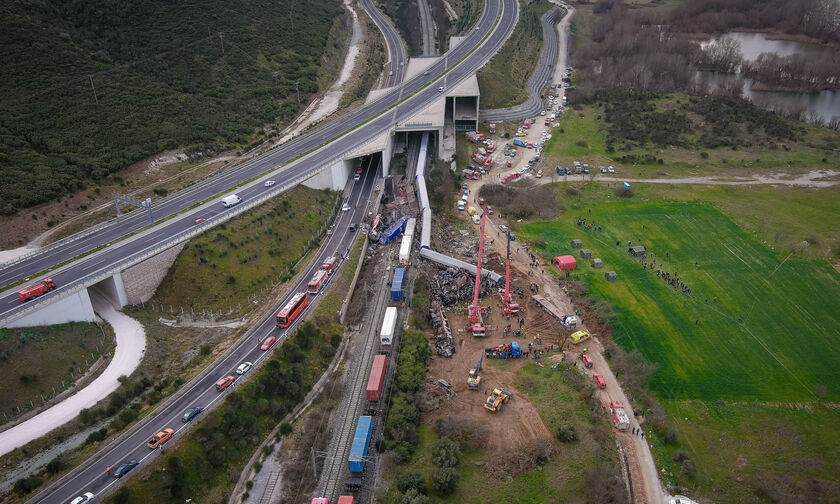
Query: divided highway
323	145
202	392
396	71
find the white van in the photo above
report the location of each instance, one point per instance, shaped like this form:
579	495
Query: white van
229	201
476	219
461	204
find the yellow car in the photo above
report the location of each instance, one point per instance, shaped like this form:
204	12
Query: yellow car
579	336
539	174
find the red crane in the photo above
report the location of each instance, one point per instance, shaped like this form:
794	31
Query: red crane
477	326
509	306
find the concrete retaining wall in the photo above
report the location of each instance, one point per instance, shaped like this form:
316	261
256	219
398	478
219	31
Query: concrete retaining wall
142	280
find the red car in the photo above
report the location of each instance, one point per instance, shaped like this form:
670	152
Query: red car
587	360
489	210
599	380
359	170
200	221
268	342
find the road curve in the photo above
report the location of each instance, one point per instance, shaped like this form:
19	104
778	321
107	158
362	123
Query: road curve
541	76
396	49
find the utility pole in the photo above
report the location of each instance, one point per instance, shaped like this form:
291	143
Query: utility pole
298	93
222	42
94	89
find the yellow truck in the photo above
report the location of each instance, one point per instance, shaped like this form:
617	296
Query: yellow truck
472	211
498	397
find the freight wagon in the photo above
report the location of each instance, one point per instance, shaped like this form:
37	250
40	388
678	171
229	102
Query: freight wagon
358	452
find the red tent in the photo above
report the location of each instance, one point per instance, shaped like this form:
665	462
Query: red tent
565	262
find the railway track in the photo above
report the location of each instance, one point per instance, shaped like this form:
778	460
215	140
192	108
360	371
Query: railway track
333	474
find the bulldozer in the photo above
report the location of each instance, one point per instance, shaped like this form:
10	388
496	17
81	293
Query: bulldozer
498	397
474	378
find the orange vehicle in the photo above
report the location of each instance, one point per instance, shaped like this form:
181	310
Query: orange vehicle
225	382
160	438
36	290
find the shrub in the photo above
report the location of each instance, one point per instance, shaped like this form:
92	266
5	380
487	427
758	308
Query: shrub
566	433
55	465
96	436
285	429
411	480
679	456
444	480
670	437
463	430
25	485
445	452
122	495
413	497
689	468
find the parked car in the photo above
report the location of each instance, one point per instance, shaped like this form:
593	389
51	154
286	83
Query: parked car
603	170
268	342
161	437
599	380
568	170
191	413
243	368
587	360
503	228
125	467
489	210
268	183
82	499
611	169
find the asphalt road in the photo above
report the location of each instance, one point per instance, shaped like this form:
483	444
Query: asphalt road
541	76
392	39
271	160
201	392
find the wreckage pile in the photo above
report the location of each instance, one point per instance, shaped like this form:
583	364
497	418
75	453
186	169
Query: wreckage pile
444	344
452	286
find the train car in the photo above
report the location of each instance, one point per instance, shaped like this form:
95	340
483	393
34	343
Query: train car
389	323
398	284
359	451
376	380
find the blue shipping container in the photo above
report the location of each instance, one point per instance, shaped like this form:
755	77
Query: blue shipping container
361	441
397	284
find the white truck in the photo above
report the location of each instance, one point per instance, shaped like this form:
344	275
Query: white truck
619	416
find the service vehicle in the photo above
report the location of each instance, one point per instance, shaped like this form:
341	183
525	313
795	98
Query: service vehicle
267	343
497	398
476	219
124	468
474	376
229	201
38	289
225	382
540	174
599	380
587	360
291	310
160	438
244	368
579	336
330	264
191	413
620	418
319	278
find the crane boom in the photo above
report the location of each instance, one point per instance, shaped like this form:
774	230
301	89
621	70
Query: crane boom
509	306
475	310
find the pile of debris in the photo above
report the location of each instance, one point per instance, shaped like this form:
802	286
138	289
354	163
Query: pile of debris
434	394
444	344
452	286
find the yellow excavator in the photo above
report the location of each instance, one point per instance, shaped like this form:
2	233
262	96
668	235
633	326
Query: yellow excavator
498	397
474	379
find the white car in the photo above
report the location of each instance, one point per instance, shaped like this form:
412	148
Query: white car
542	113
611	169
268	183
85	497
345	207
243	368
503	228
440	89
356	176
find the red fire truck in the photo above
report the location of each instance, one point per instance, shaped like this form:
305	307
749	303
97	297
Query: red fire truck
292	309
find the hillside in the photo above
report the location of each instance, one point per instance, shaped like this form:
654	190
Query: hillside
165	75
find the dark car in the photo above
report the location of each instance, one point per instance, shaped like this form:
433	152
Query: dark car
568	170
352	227
125	467
191	413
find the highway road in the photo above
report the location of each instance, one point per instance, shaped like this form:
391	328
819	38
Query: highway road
324	143
91	476
396	50
201	392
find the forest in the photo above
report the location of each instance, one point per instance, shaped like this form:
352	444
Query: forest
91	87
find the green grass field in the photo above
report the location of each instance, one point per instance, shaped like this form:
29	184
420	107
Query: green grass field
770	334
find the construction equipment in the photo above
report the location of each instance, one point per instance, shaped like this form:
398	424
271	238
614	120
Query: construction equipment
476	324
509	306
498	397
504	351
474	379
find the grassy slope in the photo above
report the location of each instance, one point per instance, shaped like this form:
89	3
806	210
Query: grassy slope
502	81
266	243
770	365
161	81
557	399
35	360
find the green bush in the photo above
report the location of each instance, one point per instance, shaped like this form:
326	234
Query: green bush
444	480
413	497
566	433
55	465
445	452
411	480
24	486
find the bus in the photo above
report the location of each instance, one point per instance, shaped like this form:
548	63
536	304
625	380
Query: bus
292	309
318	280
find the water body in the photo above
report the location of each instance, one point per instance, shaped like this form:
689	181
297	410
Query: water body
824	104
